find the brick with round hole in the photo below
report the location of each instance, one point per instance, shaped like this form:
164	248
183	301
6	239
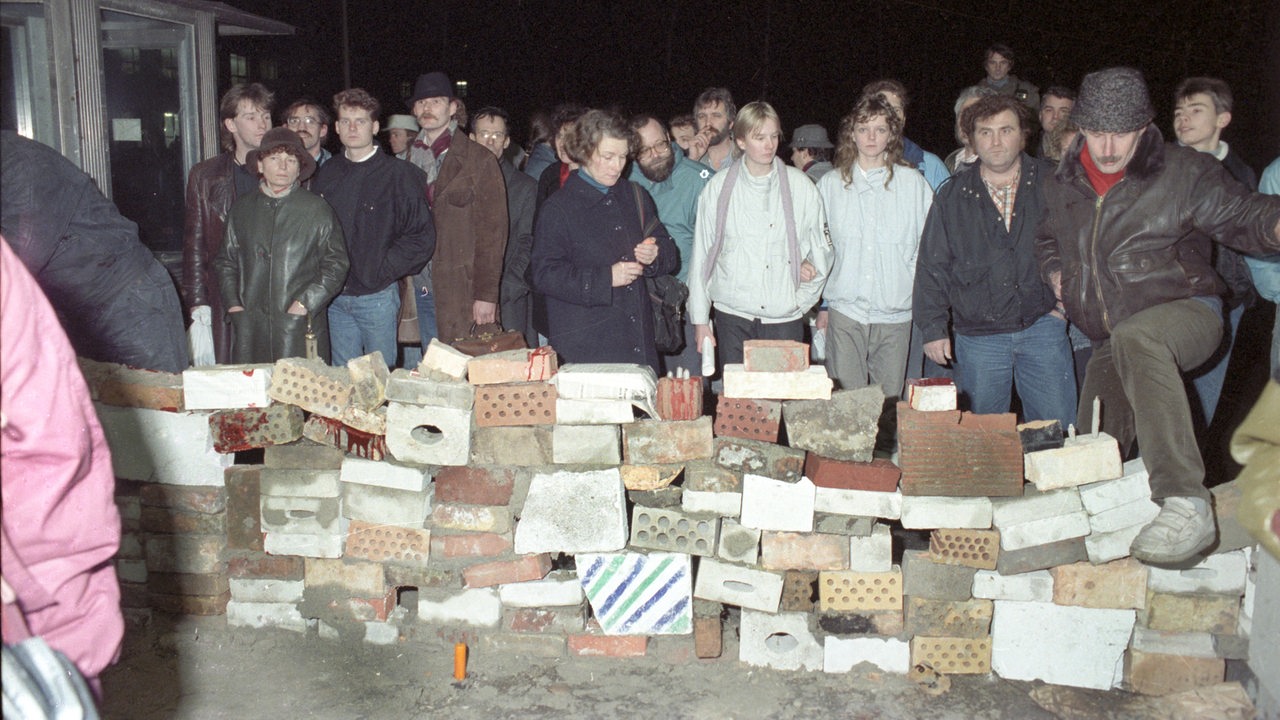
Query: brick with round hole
845	590
971	548
674	531
511	404
428	435
952	655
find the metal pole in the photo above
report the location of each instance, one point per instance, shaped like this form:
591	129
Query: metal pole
346	49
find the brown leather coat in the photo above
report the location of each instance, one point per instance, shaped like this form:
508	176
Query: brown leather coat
211	190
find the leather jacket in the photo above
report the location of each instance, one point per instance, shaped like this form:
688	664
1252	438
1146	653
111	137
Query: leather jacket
1146	242
211	190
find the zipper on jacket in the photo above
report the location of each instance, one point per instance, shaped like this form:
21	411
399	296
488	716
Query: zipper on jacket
1093	247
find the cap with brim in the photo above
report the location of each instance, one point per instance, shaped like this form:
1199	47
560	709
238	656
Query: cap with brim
279	137
810	136
401	122
429	85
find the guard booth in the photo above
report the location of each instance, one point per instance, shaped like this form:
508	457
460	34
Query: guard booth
127	90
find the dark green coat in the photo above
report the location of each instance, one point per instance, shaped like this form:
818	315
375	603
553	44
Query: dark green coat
278	250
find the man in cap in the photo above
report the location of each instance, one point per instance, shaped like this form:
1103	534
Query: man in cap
469	201
401	130
1125	244
811	151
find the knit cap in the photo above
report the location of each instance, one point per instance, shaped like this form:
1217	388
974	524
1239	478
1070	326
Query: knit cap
1113	100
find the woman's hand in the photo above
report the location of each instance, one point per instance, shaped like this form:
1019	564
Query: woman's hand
625	272
647	251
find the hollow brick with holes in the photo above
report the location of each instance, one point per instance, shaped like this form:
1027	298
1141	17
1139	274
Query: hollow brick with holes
953	656
748	419
675	531
971	548
845	590
512	404
388	543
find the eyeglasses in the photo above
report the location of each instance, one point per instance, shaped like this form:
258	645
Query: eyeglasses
305	120
491	134
655	150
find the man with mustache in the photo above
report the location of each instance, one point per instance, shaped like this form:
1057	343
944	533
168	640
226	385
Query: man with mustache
310	121
713	114
1125	243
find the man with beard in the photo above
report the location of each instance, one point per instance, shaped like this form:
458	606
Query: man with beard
713	112
310	121
674	181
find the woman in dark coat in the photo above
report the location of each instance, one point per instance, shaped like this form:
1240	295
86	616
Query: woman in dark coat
283	258
591	252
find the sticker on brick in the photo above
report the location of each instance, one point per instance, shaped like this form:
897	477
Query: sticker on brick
633	594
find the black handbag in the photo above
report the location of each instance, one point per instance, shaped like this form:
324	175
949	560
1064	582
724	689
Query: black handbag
667	296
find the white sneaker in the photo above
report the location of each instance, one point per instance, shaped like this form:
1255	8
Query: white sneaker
1179	532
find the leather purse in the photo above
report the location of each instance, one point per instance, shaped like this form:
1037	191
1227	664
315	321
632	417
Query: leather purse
408	332
488	338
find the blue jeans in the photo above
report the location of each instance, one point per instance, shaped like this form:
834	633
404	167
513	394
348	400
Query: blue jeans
1037	359
361	324
1208	378
426	325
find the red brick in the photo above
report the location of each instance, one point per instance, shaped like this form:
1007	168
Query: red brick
250	428
134	595
512	404
512	366
879	475
528	567
187	583
545	619
376	609
354	442
803	551
959	454
474	485
123	386
244	516
470	545
191	604
775	356
388	543
680	398
616	646
748	419
261	565
356	578
708	637
190	498
174	522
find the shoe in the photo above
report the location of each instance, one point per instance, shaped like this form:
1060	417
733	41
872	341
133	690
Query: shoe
1179	532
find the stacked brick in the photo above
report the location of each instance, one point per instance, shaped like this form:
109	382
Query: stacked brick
527	505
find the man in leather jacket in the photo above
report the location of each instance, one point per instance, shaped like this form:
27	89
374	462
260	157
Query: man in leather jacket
1124	242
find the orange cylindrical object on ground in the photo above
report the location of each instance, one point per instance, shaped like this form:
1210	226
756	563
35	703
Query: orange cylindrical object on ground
460	661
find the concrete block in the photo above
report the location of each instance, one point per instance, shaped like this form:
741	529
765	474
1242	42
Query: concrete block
923	512
319	546
707	476
477	606
770	504
748	419
385	475
283	615
388	544
387	506
280	482
311	385
411	388
511	404
948	618
441	359
928	579
1040	557
799	591
528	446
654	442
124	386
635	594
1035	586
1039	435
1079	647
265	590
1262	606
303	455
679	398
846	590
300	515
779	356
1160	674
1105	547
737	585
471	518
369	375
573	513
860	503
727	504
803	551
373	422
931	394
972	548
847	525
879	475
552	620
952	656
1119	584
1137	513
512	366
783	641
812	384
171	448
1131	486
738	544
932	443
1081	460
470	545
428	435
221	387
594	412
361	444
673	531
472	485
872	553
1223	573
1168	612
842	428
1044	531
522	569
760	458
553	591
842	654
586	444
1034	506
1191	644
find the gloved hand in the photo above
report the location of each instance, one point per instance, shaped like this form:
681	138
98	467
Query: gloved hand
200	335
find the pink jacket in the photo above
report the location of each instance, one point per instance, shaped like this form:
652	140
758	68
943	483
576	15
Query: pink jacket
61	526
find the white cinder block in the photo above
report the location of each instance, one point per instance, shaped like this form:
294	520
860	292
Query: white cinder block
381	633
414	389
1132	486
1108	546
266	590
738	585
443	358
769	504
476	606
225	387
873	553
1034	586
296	482
860	503
812	384
594	412
1223	574
932	395
170	448
1060	644
889	654
737	543
586	444
1264	654
1137	513
428	435
1044	531
1256	571
636	384
283	615
926	512
1081	460
1034	506
384	474
387	506
573	512
725	504
782	641
552	591
1189	644
320	546
300	515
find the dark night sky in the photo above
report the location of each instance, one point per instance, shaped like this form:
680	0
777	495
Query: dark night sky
808	57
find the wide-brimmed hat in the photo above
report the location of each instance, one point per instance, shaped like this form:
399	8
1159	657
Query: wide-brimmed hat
1114	100
401	122
810	136
429	85
278	137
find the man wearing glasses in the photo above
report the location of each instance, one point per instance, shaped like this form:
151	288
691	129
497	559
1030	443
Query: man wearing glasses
310	121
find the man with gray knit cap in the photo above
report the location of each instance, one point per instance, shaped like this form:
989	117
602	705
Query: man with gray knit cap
1125	244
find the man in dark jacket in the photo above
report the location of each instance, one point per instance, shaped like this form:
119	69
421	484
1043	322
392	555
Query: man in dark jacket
382	204
1125	242
115	300
212	186
977	265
